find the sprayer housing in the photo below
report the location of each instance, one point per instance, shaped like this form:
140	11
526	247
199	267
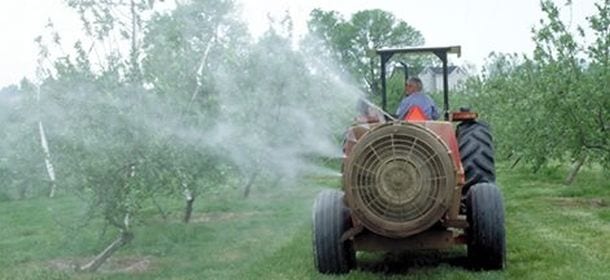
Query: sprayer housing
400	178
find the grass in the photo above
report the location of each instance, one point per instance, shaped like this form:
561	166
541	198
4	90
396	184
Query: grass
553	232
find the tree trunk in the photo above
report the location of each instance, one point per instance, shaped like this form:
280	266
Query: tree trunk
250	183
159	208
23	190
190	199
576	165
515	162
92	266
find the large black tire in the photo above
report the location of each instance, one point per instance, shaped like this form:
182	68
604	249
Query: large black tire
330	220
486	232
477	153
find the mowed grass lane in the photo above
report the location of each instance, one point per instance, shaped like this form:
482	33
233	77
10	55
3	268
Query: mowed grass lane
553	231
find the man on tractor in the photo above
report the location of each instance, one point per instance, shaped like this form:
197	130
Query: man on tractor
416	105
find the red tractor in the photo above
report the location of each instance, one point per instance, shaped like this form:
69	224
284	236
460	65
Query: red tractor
413	185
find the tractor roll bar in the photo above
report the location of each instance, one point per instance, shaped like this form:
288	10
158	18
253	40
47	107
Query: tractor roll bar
440	52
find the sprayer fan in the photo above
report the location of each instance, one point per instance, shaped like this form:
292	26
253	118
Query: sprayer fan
399	179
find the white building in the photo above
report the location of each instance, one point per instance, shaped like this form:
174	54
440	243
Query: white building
432	77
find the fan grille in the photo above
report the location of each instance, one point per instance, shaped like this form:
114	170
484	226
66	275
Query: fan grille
399	179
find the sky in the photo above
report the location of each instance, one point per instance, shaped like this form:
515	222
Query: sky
479	26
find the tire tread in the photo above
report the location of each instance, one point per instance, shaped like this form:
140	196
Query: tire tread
486	232
330	221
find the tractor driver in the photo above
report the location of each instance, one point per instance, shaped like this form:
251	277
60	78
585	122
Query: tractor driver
416	102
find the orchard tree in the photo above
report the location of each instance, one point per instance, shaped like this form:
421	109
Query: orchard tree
181	51
94	112
575	116
99	150
257	107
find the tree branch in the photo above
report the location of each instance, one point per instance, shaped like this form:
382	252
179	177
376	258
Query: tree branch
597	147
201	67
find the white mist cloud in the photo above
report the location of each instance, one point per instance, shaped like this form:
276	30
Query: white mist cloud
291	109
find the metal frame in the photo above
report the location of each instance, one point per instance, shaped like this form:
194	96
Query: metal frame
440	52
431	239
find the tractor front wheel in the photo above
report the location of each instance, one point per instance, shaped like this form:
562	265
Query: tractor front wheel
330	220
486	232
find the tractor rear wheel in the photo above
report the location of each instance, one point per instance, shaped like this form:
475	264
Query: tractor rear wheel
486	232
477	153
331	219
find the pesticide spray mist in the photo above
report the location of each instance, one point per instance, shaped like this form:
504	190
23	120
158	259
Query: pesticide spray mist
267	112
272	117
283	114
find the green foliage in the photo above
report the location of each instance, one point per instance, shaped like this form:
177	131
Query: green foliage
353	42
21	168
395	90
183	47
554	105
105	21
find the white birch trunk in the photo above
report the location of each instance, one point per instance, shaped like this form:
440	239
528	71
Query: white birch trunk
47	153
200	69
